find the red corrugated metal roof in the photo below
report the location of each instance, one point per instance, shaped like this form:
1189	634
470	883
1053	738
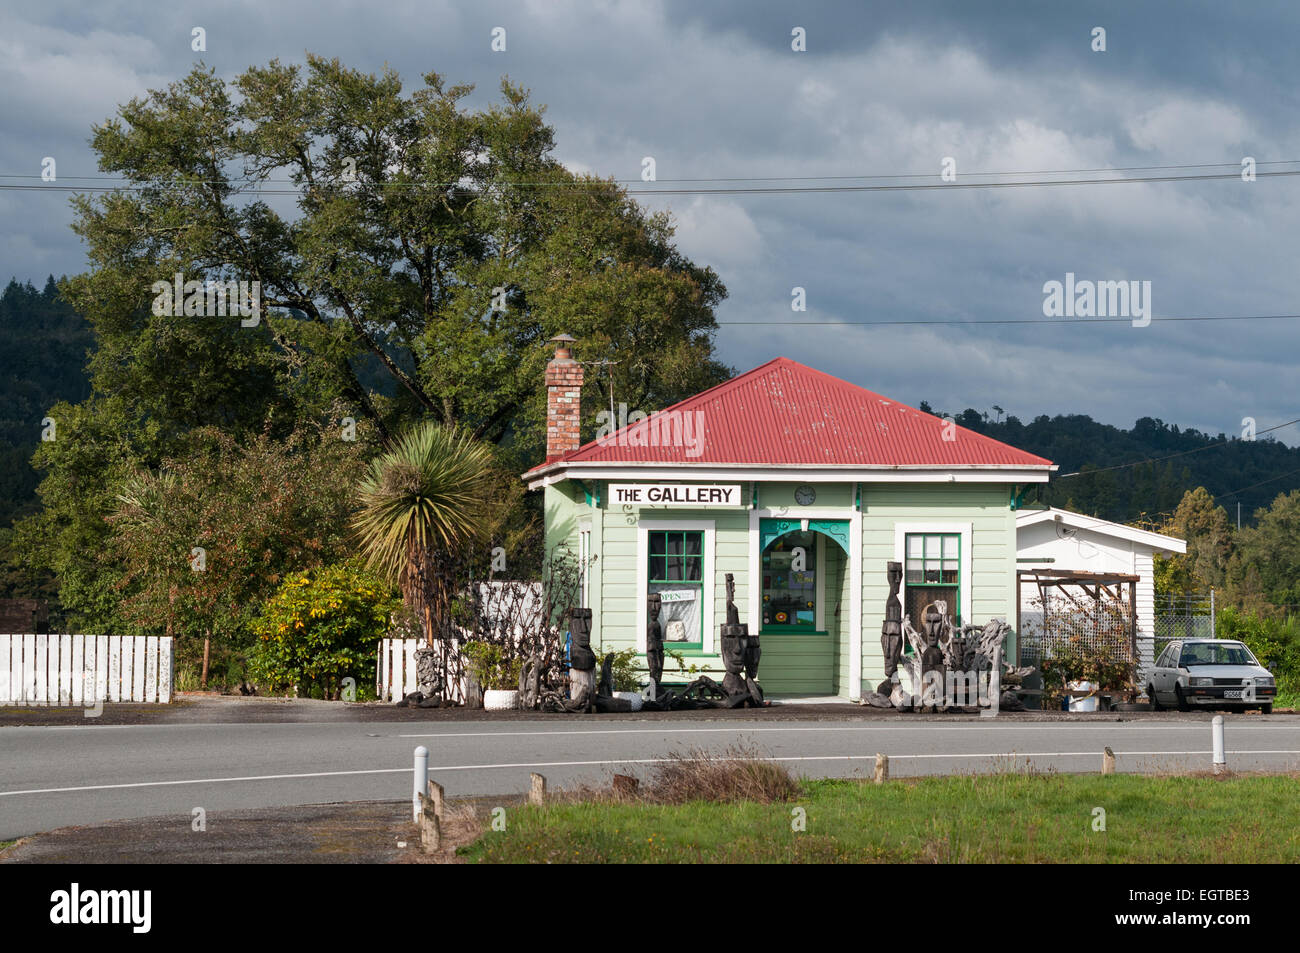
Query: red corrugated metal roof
785	413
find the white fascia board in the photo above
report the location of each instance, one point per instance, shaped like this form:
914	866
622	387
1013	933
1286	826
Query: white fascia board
785	474
1157	541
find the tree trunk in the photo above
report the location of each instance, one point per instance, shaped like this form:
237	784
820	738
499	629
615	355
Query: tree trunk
207	644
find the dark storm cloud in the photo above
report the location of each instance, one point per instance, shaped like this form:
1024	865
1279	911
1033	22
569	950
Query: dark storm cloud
714	90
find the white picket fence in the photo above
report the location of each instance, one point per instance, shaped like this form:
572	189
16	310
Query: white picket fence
395	674
85	669
395	670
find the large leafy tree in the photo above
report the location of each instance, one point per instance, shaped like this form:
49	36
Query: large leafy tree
413	255
1204	525
1268	562
197	546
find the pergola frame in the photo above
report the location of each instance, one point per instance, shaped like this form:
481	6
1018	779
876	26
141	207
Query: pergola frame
1092	583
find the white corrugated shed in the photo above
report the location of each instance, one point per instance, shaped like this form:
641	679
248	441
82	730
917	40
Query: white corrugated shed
1058	539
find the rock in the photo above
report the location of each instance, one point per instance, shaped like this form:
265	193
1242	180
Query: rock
1010	702
876	700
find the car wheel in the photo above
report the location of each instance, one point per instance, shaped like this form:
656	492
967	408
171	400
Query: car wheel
1182	702
1266	709
1155	702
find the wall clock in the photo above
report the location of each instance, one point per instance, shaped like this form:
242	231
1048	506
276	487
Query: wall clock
805	495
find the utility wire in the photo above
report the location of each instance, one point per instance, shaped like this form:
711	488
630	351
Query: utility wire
757	190
1044	320
1183	453
1260	483
758	178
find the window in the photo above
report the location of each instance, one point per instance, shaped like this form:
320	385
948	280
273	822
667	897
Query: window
931	572
790	583
676	572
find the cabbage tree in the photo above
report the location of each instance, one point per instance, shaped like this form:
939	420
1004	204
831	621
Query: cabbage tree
423	500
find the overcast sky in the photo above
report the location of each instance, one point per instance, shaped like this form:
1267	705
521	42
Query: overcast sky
715	91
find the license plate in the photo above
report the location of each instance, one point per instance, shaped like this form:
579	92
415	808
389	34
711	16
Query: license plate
1232	693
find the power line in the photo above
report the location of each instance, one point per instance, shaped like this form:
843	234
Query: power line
1183	453
1260	483
1002	321
758	190
759	178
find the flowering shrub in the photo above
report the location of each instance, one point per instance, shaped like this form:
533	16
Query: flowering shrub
1089	642
1108	662
320	627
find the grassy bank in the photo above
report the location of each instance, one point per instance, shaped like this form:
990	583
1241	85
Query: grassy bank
1001	819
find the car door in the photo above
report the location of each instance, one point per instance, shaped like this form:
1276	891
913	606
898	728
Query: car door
1167	670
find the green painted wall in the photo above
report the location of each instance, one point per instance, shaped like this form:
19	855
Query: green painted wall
797	664
993	550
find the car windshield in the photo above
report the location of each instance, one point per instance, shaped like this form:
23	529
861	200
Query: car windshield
1216	653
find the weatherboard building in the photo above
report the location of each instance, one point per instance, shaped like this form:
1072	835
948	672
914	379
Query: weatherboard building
801	485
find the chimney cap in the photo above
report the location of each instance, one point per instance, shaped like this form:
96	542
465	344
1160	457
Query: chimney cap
562	349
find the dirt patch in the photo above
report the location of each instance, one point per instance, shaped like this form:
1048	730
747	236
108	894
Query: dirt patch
365	832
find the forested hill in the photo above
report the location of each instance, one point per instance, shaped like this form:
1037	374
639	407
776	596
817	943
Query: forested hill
43	349
1252	472
43	352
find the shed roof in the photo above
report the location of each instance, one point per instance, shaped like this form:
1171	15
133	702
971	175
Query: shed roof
1091	524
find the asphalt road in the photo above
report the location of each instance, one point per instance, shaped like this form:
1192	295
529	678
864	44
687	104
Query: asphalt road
55	776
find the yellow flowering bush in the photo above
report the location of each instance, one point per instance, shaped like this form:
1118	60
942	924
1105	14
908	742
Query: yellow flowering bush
322	626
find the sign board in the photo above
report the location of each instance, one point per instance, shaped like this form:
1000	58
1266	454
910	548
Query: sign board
675	494
677	595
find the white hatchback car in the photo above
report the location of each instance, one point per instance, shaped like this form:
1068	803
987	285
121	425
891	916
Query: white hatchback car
1210	673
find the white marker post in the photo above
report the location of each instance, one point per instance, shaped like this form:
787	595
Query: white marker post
420	780
1216	727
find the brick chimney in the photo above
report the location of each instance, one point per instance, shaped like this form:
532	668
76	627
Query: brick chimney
563	400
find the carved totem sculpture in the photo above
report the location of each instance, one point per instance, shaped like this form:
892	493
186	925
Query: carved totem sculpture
891	630
654	642
582	661
734	641
740	656
938	630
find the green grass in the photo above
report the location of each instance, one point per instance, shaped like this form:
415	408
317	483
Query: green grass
1004	818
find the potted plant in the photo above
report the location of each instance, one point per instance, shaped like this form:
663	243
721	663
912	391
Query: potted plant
497	673
627	682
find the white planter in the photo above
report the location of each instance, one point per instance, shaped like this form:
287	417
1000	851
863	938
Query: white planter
1083	704
496	699
633	697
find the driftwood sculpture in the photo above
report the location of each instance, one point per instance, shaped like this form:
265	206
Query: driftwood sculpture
429	689
530	683
944	663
